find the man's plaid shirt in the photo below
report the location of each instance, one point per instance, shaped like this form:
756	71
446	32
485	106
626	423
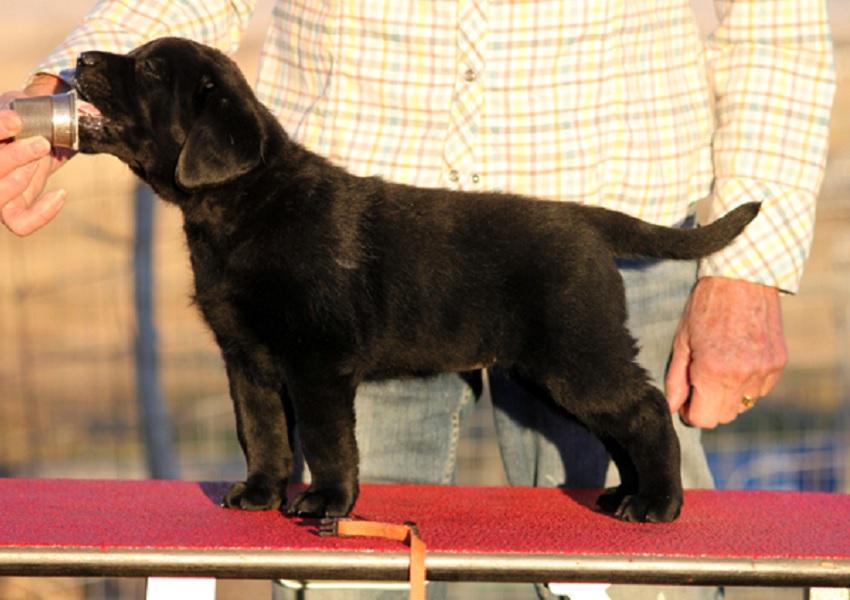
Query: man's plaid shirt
617	103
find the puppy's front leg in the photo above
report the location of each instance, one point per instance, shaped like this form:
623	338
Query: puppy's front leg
258	393
325	413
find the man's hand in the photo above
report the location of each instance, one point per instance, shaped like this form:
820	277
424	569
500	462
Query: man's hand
729	345
25	166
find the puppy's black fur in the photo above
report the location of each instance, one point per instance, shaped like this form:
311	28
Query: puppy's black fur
314	280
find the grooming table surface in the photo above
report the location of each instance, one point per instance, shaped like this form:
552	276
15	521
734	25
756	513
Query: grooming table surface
146	528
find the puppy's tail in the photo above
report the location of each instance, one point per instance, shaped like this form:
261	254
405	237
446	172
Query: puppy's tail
628	236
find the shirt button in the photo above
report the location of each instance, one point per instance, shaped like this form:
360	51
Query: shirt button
475	178
453	176
470	75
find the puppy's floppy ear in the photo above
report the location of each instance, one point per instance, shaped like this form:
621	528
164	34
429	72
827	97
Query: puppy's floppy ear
225	142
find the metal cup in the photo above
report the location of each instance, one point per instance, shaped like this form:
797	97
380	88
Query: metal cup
53	117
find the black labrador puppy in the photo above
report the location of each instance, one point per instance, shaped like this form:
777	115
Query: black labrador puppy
313	280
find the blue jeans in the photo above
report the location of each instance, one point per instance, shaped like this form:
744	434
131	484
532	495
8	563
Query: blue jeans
407	431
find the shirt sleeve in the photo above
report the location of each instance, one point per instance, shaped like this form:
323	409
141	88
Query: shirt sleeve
121	25
771	67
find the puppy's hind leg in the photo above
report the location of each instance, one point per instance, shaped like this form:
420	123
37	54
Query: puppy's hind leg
634	422
653	447
611	499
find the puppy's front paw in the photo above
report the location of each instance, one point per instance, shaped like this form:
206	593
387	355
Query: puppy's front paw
325	502
259	492
653	509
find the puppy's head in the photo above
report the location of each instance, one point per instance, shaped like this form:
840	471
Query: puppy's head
179	113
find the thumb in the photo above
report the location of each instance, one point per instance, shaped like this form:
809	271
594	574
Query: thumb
677	383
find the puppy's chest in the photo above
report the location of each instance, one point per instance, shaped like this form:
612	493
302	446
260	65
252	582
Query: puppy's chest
216	292
270	293
249	307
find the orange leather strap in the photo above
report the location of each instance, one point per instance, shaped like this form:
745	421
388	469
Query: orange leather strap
406	533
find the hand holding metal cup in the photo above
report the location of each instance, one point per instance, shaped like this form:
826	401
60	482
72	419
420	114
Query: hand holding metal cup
53	117
26	161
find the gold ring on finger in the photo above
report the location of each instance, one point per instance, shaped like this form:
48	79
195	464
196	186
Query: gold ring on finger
749	401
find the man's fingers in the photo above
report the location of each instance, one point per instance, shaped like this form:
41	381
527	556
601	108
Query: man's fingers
757	388
750	392
20	153
709	407
769	383
23	186
677	383
16	183
718	390
714	402
10	124
23	220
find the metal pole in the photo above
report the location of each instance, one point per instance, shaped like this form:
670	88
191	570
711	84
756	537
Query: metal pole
155	424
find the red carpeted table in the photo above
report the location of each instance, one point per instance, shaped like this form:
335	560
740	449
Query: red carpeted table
147	528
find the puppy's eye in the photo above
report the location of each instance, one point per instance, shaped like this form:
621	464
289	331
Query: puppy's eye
207	85
152	68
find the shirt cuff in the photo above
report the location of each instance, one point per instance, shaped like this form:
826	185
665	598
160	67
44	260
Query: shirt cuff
774	247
